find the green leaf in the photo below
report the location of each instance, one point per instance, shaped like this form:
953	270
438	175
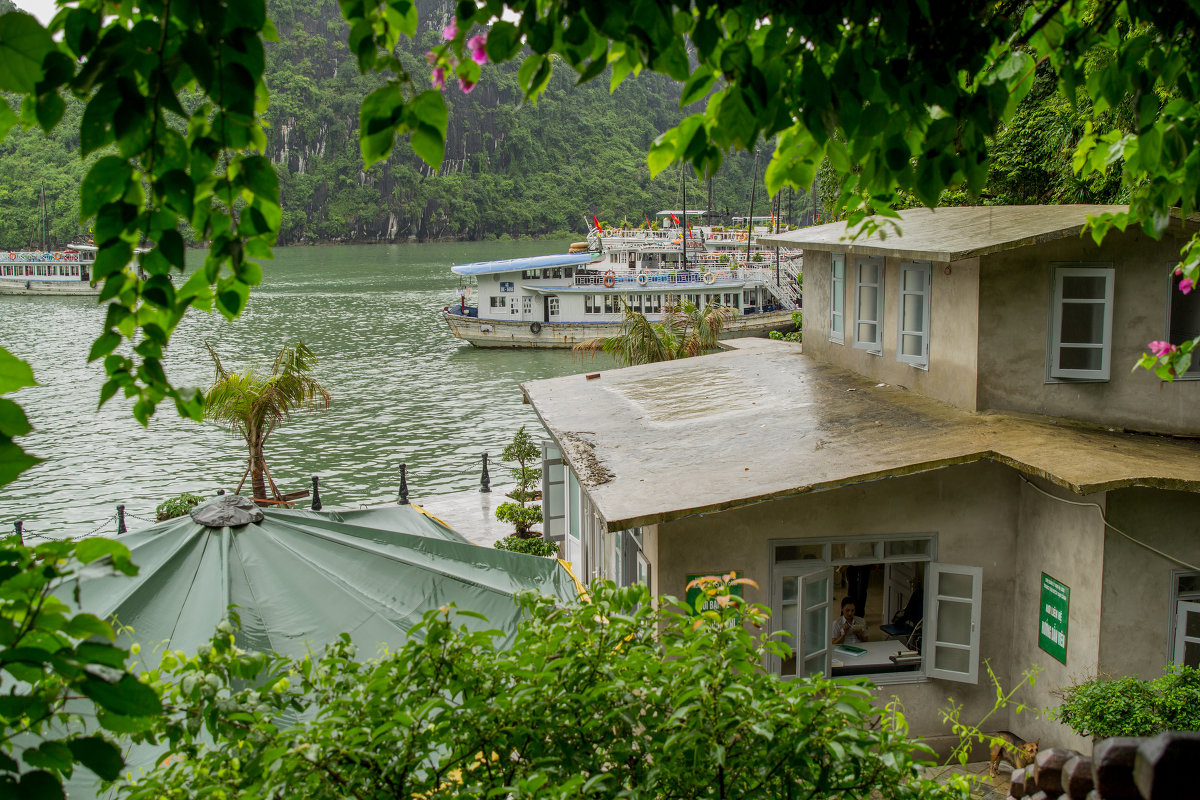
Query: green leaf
503	42
379	115
13	421
128	697
170	244
429	135
104	344
49	755
89	550
8	118
697	86
24	44
14	373
14	461
105	182
259	177
99	755
39	785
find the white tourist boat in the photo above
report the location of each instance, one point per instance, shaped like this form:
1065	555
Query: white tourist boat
48	272
562	300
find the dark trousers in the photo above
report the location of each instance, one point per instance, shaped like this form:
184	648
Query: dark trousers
857	579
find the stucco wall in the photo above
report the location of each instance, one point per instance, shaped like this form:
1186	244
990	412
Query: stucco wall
953	328
973	510
1014	314
1137	583
1067	543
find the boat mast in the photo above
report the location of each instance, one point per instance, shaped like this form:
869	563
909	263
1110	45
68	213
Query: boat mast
44	233
750	220
683	184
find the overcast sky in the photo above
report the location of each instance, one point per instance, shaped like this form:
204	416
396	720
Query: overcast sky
44	10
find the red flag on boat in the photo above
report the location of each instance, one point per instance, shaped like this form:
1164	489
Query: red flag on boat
647	220
675	219
599	227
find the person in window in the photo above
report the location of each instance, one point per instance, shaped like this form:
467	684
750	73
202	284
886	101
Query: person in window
914	611
849	629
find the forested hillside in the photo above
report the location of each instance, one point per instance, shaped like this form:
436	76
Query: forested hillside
510	169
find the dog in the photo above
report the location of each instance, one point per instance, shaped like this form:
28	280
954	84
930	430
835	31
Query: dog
1013	749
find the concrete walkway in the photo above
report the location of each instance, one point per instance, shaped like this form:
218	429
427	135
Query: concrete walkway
473	513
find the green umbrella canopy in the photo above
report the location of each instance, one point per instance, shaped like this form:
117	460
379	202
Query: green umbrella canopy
300	578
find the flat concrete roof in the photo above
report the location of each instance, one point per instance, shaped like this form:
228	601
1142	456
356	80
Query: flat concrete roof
663	441
950	233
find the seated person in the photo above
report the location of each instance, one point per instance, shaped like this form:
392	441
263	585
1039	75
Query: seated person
849	629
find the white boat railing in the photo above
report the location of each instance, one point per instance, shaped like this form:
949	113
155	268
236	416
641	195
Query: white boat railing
34	256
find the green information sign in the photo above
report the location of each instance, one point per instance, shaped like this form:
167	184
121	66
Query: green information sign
1052	617
693	593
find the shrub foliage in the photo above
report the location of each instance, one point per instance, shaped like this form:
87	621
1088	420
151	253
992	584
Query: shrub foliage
1105	707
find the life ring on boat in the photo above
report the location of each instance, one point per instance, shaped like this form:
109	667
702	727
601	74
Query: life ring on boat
641	279
610	279
742	238
12	256
535	327
710	278
58	256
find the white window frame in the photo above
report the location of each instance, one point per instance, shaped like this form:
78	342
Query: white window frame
1058	274
923	268
553	303
837	315
1193	371
874	347
554	501
932	643
1182	602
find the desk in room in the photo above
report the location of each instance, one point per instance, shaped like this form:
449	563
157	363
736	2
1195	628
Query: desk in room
876	659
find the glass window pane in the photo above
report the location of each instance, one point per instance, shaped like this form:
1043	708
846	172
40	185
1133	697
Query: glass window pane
815	665
790	591
815	592
914	280
953	584
798	552
816	631
905	547
914	312
839	268
866	332
952	659
836	323
1189	583
1082	323
1089	287
868	272
911	344
1192	629
954	622
1091	358
867	297
839	290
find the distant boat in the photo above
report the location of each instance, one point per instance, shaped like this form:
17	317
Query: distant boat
568	298
48	272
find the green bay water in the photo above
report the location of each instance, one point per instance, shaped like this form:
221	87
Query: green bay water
404	389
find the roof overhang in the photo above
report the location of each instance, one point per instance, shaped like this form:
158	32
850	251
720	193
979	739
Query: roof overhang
659	442
949	234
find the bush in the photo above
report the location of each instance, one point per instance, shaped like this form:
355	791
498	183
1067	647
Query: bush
1102	707
530	546
616	697
796	335
523	518
178	506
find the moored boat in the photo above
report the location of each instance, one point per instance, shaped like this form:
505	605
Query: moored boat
562	300
48	272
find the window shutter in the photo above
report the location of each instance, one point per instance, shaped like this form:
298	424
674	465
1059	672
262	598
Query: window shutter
1187	634
952	622
553	491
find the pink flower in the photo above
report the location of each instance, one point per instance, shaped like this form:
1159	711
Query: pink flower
1186	285
1161	349
1178	271
431	57
439	77
466	85
476	45
450	32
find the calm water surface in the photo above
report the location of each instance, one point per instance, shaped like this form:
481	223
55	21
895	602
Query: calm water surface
403	389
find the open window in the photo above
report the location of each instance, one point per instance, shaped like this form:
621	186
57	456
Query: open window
837	298
912	340
1183	322
952	624
804	603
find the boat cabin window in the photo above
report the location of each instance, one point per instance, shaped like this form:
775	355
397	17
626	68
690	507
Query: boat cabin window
568	272
591	304
731	300
635	302
612	304
557	272
496	302
552	303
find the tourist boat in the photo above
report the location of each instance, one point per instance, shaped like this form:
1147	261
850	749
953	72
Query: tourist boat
48	272
565	299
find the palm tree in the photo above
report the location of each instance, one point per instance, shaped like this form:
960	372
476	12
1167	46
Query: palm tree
254	405
684	331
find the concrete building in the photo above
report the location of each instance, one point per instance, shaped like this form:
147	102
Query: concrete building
961	424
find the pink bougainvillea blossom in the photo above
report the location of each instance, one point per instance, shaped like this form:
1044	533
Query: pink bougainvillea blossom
431	57
439	77
1186	285
466	85
450	32
476	45
1161	349
1178	271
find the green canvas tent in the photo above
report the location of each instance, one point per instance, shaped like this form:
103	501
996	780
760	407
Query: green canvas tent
300	578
